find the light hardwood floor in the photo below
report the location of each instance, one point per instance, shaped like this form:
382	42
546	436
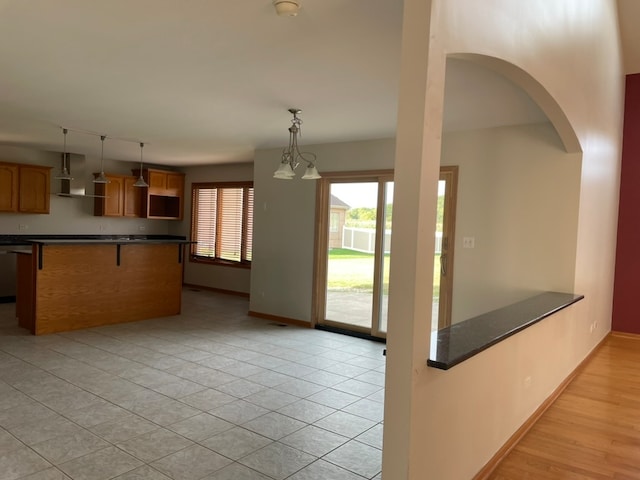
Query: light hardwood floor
592	431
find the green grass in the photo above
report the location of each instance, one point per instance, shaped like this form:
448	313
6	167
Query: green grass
352	270
341	253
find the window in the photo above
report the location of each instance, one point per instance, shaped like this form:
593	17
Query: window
222	222
334	222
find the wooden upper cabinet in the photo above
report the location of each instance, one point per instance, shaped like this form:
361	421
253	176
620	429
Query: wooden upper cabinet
132	198
118	198
34	184
109	200
157	181
175	184
164	199
8	188
24	188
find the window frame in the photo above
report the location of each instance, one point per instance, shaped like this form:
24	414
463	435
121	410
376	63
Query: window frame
246	224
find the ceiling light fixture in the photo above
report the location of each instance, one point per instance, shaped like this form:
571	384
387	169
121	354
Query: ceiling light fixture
140	182
287	8
101	178
292	157
64	173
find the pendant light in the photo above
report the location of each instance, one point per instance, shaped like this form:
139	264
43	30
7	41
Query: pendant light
292	157
140	182
101	178
64	174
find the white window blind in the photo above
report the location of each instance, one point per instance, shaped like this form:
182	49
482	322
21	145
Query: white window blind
221	223
247	248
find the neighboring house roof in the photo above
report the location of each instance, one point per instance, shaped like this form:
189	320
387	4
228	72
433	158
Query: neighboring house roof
336	202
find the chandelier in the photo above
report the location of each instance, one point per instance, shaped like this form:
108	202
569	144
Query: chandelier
292	156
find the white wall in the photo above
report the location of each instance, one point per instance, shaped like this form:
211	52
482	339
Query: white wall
519	251
284	224
72	215
213	276
448	424
518	192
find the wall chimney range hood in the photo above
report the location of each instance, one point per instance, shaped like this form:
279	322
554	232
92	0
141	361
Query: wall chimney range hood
74	187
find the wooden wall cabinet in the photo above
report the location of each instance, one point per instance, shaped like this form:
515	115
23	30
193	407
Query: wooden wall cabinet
24	188
121	198
164	198
8	188
132	198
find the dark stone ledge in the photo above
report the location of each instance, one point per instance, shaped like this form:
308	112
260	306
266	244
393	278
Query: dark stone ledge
461	341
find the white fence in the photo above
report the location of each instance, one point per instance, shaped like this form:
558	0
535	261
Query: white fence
438	243
364	240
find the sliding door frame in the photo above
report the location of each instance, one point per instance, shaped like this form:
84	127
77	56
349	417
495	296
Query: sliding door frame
323	193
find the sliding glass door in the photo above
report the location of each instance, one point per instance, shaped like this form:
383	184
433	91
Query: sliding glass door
354	252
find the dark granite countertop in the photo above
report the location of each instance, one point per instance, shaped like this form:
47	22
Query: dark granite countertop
106	241
15	240
460	341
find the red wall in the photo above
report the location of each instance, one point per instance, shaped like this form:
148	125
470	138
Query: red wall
626	294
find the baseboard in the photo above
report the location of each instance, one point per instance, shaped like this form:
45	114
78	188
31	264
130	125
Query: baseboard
634	336
217	290
488	469
276	318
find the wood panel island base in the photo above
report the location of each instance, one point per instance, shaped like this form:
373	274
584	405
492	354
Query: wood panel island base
71	284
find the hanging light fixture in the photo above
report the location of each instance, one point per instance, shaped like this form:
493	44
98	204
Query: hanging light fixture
140	182
292	156
64	173
287	8
101	178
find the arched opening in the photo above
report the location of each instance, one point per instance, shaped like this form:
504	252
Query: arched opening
518	187
534	89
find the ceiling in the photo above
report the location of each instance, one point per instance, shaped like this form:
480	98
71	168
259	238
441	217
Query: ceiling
206	82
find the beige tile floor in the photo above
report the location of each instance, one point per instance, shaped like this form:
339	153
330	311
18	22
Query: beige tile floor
211	394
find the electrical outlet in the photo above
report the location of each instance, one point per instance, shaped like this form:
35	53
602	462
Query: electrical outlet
527	381
142	228
101	227
23	226
469	242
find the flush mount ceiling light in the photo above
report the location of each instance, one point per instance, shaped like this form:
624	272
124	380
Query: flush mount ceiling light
292	156
64	173
101	178
287	8
140	182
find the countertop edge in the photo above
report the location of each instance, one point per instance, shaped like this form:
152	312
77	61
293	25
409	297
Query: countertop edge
18	240
108	242
447	363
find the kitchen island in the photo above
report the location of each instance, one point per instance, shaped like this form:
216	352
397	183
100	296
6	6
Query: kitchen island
68	284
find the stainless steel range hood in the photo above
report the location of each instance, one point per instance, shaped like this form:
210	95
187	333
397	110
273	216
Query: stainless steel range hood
76	187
